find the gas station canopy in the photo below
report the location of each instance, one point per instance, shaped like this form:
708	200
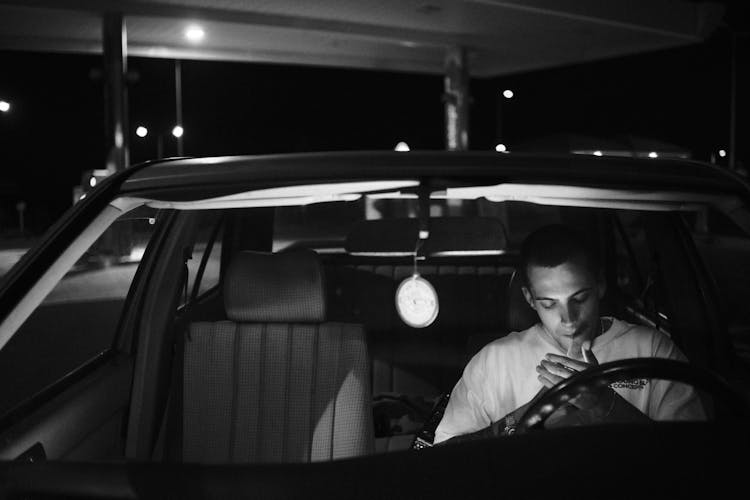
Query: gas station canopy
500	37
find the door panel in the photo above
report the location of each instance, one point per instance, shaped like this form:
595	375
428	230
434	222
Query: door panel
84	422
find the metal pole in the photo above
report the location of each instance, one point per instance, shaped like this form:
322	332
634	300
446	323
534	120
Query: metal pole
733	103
499	118
114	38
178	100
456	85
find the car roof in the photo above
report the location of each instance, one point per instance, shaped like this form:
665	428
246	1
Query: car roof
186	178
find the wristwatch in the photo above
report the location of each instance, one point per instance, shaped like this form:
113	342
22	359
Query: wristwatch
510	425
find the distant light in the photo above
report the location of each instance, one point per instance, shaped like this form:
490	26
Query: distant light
500	148
136	253
653	154
141	131
507	93
598	153
4	106
194	33
92	181
82	196
722	153
177	131
402	146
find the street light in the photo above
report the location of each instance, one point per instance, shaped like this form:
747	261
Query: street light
4	106
653	154
402	146
500	148
177	131
722	153
141	131
508	94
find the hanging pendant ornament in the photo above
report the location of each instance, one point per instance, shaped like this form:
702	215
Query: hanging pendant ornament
417	302
416	299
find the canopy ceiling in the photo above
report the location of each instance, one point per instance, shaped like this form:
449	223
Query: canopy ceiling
403	35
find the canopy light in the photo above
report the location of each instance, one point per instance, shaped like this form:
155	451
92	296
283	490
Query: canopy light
194	33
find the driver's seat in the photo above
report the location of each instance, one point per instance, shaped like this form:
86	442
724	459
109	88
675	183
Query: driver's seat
276	382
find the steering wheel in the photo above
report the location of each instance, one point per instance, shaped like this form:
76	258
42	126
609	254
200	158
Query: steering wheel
597	377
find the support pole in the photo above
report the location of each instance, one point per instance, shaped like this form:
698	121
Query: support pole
456	85
733	103
178	101
115	90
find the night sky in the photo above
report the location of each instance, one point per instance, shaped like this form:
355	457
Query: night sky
55	130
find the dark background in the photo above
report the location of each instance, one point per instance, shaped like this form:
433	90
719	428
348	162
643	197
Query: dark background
55	130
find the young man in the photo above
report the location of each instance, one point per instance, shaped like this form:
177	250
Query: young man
564	285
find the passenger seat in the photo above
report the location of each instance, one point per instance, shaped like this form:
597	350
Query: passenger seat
275	382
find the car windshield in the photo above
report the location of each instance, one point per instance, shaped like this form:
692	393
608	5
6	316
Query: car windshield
427	275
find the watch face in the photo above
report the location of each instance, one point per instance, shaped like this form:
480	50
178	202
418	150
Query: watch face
416	302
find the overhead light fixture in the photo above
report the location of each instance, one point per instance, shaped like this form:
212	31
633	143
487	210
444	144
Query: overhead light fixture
4	106
141	131
722	153
508	94
194	33
177	131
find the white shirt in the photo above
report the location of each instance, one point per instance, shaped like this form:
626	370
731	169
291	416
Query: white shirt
502	377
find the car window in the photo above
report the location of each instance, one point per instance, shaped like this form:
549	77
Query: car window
637	273
78	319
723	246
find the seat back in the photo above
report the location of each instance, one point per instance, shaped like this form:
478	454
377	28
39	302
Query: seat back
520	315
275	383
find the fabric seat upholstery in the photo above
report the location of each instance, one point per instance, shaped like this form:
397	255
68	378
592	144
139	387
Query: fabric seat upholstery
275	382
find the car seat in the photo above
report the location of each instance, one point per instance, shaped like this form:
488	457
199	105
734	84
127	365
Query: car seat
275	382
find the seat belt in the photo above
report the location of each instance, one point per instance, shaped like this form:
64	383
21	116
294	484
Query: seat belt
170	430
170	424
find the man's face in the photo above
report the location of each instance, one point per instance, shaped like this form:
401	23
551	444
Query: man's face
566	297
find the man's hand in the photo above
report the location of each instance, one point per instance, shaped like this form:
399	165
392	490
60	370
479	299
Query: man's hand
555	368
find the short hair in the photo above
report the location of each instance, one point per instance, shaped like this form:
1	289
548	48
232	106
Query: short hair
555	244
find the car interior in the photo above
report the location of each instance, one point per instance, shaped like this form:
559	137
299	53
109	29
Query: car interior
270	332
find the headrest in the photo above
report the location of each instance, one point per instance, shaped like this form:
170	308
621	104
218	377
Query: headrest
285	287
520	315
448	236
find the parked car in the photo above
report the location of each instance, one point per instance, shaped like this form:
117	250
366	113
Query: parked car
254	326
